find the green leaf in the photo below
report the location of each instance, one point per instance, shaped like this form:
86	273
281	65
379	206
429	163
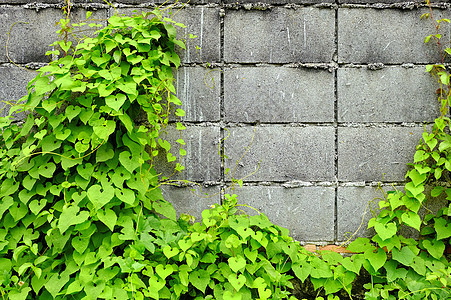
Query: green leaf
405	256
377	259
47	170
128	161
115	101
71	215
236	282
434	247
107	217
56	283
104	153
441	226
169	252
412	219
125	195
166	209
237	263
385	231
199	279
360	245
104	130
100	195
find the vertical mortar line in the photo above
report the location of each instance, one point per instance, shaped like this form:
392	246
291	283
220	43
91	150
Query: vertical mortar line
336	123
221	97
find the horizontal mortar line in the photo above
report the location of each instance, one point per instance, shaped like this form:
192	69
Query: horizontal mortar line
306	124
407	5
296	184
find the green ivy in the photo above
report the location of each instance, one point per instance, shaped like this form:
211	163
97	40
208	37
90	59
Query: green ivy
78	184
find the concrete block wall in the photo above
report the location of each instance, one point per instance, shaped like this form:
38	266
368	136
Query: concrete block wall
326	99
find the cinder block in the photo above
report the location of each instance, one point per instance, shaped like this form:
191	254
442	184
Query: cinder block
31	31
202	162
199	89
386	36
191	202
404	4
354	210
376	154
278	94
13	85
259	3
202	22
308	212
279	35
391	94
284	153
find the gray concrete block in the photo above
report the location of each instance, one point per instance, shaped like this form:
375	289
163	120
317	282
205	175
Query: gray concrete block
29	42
308	212
13	85
202	22
278	94
386	36
191	202
354	210
391	94
259	3
202	162
286	153
376	154
279	35
403	3
199	89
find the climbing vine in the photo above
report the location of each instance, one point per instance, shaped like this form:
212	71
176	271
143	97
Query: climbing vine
82	215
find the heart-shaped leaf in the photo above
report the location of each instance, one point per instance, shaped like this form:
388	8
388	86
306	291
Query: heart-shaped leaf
237	282
105	152
36	206
164	271
72	112
251	255
80	243
28	182
71	215
237	263
385	231
125	195
200	279
442	228
435	248
107	217
25	195
47	170
169	252
100	195
412	219
77	197
128	161
85	170
377	259
115	101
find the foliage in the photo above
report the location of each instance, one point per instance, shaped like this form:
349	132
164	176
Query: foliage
78	185
81	214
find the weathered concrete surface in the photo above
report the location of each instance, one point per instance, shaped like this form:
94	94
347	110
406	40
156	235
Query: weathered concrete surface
202	162
199	89
28	33
391	94
308	212
13	85
279	35
385	36
284	153
376	154
277	95
191	202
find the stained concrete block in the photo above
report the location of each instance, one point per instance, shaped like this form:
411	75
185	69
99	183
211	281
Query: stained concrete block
202	22
279	35
308	212
202	162
278	94
29	42
199	89
275	2
391	94
376	154
285	153
354	210
13	85
403	3
386	36
191	202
